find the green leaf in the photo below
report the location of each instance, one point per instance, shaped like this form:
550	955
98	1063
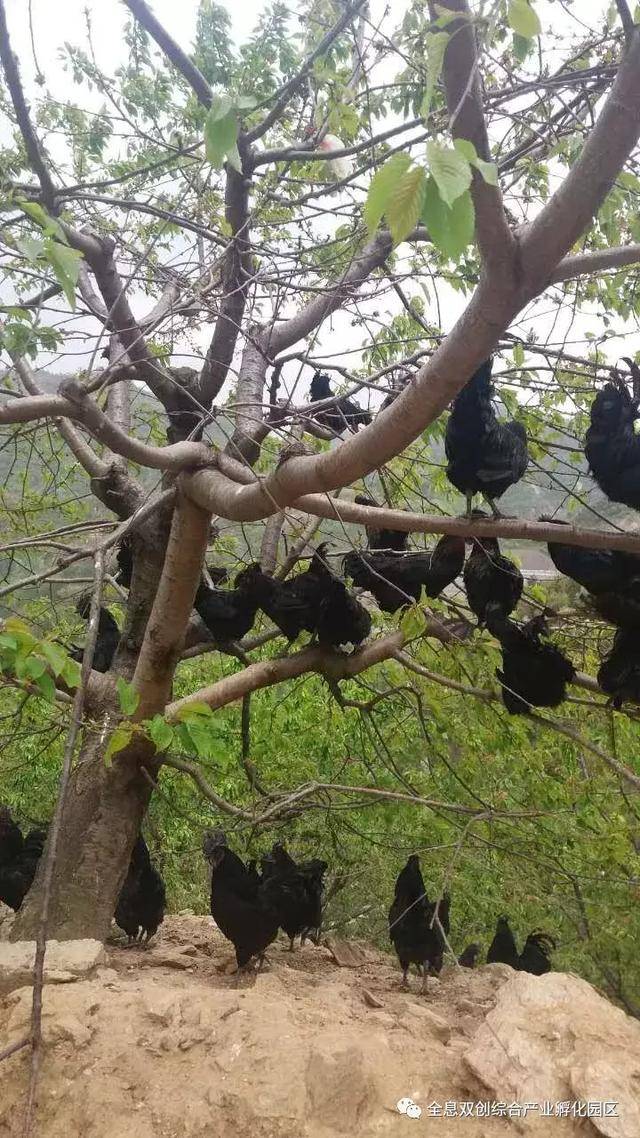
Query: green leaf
521	48
382	185
466	149
405	204
32	248
221	132
412	622
450	170
42	218
523	19
450	229
32	667
65	263
7	641
160	733
54	654
128	697
201	737
489	170
120	739
436	45
195	710
518	355
71	673
46	687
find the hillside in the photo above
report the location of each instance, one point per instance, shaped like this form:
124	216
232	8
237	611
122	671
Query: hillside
162	1043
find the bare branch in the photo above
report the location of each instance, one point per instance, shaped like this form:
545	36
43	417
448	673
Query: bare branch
582	264
626	19
298	79
32	146
190	767
496	242
174	53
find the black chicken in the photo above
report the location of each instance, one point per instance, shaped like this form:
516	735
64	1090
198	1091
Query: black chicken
343	414
297	891
469	958
107	639
503	948
534	673
619	672
243	907
485	456
414	938
229	614
340	618
492	582
534	957
142	901
292	604
611	576
125	564
382	538
612	447
19	857
396	579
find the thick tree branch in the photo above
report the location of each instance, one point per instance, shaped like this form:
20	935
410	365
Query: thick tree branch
496	242
32	146
174	53
582	264
172	607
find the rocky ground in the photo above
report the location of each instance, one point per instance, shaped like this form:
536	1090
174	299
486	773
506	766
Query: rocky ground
164	1042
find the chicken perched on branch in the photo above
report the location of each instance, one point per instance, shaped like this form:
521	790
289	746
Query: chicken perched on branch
534	673
484	455
292	605
381	538
339	168
493	583
415	938
107	639
397	579
142	901
296	889
612	447
619	673
343	415
229	614
19	857
611	576
243	907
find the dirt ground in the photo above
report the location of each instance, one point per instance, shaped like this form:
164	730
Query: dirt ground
162	1043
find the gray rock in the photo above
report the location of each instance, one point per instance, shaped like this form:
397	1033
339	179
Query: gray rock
65	961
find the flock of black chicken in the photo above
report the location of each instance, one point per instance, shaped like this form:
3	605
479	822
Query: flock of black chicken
485	456
250	906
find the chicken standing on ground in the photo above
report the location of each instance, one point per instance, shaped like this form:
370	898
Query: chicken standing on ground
612	448
485	456
229	614
469	958
619	672
142	902
534	673
107	639
414	938
534	957
297	888
19	859
243	908
493	583
342	415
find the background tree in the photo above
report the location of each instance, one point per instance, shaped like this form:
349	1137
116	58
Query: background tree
182	207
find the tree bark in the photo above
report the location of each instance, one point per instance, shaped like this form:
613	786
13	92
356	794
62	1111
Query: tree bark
101	820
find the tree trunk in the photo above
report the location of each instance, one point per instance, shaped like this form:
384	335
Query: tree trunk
102	817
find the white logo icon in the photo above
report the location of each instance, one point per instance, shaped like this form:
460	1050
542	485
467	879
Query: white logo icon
409	1107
